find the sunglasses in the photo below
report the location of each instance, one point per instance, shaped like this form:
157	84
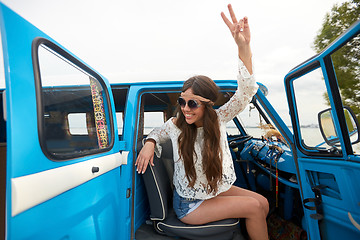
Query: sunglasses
193	104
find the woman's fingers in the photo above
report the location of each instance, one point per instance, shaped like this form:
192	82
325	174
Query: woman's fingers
142	163
232	14
145	164
241	25
227	22
246	24
246	20
231	25
145	157
151	161
235	26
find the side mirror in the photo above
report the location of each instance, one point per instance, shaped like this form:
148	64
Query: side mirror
328	130
263	89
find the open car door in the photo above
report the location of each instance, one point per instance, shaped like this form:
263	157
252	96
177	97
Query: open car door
63	159
323	96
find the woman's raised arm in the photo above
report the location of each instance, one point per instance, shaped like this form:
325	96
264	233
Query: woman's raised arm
240	31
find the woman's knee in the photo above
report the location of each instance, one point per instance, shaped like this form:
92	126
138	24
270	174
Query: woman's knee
263	202
256	207
265	205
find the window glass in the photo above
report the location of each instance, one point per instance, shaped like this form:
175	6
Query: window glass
120	98
311	99
75	112
232	129
258	125
346	61
120	123
152	120
252	121
77	124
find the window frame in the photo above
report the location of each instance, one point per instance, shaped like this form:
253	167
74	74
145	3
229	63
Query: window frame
39	99
316	63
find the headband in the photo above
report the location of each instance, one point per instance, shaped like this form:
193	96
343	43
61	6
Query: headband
196	97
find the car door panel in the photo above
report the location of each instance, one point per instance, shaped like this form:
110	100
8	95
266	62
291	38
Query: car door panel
76	195
329	171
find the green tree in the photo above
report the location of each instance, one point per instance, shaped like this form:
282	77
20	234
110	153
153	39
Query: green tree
346	59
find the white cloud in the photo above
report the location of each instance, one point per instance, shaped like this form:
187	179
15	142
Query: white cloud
142	40
174	36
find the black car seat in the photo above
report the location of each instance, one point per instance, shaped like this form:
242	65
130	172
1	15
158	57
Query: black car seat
159	188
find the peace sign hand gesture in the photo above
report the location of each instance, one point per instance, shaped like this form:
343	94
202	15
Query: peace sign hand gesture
240	31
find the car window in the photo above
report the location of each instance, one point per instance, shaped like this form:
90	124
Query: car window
73	107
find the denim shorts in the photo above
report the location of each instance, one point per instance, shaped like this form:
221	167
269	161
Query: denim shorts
184	206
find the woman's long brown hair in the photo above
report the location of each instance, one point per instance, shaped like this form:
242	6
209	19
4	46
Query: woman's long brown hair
211	153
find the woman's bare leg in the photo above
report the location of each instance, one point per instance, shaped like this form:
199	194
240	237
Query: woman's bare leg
237	191
227	206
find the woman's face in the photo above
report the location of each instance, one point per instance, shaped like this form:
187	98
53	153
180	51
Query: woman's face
193	115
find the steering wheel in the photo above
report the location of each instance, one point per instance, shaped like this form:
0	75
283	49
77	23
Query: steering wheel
239	140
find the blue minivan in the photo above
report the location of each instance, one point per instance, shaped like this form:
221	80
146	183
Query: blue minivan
69	140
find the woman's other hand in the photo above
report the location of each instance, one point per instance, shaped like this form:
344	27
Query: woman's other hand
240	31
145	156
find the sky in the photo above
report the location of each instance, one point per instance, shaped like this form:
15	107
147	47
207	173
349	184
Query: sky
142	40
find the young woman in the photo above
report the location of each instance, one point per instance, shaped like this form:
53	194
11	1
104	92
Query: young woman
203	166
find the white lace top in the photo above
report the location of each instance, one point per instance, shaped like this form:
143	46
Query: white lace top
246	89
